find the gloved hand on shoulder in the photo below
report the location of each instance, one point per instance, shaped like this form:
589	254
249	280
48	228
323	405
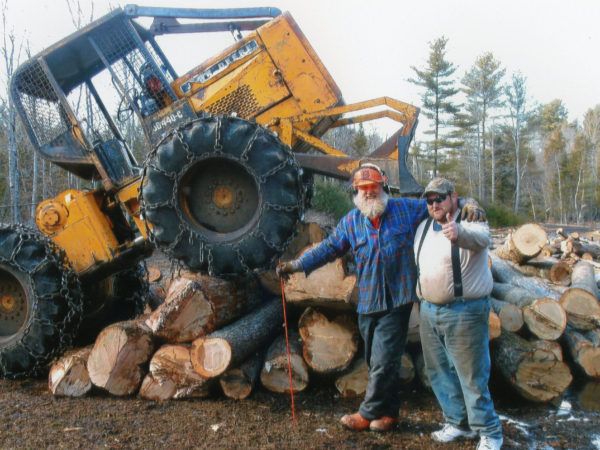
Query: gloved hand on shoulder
471	210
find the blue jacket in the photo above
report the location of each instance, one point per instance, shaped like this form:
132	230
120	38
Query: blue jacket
382	256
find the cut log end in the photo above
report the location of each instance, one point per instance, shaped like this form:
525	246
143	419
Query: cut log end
275	374
210	356
582	308
542	381
529	239
545	318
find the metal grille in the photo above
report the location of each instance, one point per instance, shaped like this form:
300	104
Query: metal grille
241	101
38	100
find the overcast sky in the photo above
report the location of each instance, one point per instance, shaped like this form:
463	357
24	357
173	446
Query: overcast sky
369	46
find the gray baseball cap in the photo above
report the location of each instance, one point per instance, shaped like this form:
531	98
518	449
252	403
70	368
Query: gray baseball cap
439	186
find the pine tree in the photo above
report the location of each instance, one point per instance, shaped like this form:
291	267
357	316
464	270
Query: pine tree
482	85
439	89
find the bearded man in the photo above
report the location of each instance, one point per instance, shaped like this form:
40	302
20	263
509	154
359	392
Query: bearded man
380	231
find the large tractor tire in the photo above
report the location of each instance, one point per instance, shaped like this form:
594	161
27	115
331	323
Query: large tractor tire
222	195
121	296
40	302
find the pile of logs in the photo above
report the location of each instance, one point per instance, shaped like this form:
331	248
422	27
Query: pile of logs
209	335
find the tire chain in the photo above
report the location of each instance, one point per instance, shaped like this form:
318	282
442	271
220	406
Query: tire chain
193	159
70	291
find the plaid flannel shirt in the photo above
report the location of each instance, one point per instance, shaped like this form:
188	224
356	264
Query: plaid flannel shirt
383	256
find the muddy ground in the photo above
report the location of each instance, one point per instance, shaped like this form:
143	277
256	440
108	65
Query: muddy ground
33	418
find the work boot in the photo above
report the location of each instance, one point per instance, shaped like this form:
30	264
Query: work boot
450	433
383	424
355	422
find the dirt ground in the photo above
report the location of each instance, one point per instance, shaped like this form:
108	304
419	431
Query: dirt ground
33	418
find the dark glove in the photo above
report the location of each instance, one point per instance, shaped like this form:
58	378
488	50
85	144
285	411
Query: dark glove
285	268
471	210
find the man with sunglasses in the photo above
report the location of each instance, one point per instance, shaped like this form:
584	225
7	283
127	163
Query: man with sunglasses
454	284
380	231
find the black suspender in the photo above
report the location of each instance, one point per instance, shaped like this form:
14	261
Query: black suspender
456	272
455	255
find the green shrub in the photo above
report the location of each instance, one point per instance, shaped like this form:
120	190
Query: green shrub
501	216
331	198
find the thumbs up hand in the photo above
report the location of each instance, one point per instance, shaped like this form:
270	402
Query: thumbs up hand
450	228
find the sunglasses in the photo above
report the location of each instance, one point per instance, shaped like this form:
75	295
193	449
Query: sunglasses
439	199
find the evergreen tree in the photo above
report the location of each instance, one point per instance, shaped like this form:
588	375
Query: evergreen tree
516	94
482	85
439	89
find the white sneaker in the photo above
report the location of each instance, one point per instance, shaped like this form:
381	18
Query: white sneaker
489	443
450	433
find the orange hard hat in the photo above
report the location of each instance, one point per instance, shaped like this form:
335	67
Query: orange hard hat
367	175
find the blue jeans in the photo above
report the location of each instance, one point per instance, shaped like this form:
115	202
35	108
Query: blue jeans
457	361
384	335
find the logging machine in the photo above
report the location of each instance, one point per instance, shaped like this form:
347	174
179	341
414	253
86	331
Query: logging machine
230	150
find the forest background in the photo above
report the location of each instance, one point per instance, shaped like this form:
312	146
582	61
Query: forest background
479	126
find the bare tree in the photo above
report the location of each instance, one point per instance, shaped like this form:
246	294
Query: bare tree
11	54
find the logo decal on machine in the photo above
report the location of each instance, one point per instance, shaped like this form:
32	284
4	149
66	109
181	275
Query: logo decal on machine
221	65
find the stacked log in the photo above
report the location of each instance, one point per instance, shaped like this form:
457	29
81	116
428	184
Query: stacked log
536	374
328	346
238	383
171	375
580	301
198	304
545	317
116	361
69	376
525	243
207	330
275	374
227	347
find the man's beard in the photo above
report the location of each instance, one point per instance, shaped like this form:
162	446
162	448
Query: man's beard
371	207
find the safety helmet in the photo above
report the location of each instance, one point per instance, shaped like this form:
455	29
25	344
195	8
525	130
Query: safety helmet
368	174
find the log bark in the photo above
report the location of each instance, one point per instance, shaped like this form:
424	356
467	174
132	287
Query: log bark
584	351
494	326
580	301
504	272
328	286
525	243
226	348
116	360
328	346
171	369
68	377
545	317
197	304
558	272
511	316
237	383
535	374
275	375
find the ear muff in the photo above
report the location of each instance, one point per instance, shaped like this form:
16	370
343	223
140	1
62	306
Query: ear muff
384	183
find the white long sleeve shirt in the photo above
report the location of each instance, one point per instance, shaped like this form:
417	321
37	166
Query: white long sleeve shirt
436	282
